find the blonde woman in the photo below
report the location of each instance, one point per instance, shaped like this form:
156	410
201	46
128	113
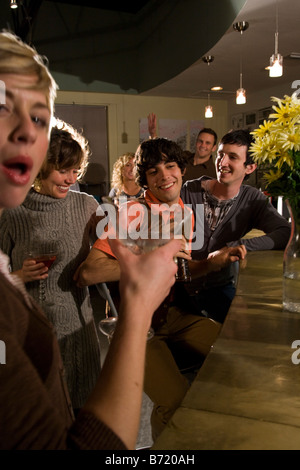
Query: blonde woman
123	178
35	411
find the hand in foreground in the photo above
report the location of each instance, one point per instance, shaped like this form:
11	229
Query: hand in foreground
147	278
152	125
225	256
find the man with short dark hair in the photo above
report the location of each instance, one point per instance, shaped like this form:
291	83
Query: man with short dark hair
201	163
231	210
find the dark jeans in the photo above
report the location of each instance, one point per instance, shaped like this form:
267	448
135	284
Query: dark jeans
212	303
215	302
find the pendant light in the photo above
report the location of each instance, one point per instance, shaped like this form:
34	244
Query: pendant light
240	27
13	4
208	109
276	59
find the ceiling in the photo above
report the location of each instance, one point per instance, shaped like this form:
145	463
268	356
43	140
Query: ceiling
92	38
113	5
257	44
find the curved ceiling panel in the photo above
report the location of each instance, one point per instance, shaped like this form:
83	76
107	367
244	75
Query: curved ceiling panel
136	50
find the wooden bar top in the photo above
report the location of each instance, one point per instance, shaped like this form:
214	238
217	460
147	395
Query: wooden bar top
246	396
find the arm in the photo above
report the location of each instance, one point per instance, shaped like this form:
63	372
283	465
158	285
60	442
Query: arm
98	267
265	217
152	126
217	260
275	238
117	397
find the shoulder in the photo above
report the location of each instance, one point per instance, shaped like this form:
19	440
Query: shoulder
195	184
83	198
188	154
112	193
10	214
252	193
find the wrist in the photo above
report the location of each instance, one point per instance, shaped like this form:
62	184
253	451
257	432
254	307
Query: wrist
136	313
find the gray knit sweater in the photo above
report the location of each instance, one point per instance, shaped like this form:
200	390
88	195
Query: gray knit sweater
71	223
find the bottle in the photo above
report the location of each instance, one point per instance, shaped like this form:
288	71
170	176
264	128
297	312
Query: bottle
183	273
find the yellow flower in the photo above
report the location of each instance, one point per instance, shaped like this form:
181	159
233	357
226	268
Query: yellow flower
263	151
263	129
285	158
276	147
272	176
289	140
287	109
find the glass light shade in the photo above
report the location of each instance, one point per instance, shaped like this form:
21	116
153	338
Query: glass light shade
208	111
13	4
240	96
276	69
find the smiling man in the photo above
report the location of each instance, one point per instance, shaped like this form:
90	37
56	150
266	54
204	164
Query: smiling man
181	338
201	162
231	210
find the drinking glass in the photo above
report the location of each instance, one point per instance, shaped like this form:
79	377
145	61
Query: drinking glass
157	225
142	229
107	326
45	254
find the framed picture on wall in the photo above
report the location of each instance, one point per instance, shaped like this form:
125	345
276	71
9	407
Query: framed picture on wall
237	121
195	128
173	129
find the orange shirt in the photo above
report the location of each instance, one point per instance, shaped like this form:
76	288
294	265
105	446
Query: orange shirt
156	207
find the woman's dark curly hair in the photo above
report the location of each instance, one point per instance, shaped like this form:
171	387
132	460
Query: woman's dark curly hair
152	152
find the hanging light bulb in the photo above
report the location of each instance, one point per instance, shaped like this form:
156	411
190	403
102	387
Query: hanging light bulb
208	109
208	112
240	27
241	92
276	69
13	4
276	59
240	96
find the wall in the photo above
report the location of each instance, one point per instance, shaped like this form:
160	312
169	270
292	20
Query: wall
129	109
261	99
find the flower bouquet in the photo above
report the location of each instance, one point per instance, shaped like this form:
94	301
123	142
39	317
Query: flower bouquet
276	148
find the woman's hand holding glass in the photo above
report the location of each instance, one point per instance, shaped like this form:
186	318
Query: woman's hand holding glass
37	263
33	271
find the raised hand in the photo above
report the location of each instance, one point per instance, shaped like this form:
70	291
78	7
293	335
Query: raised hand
152	125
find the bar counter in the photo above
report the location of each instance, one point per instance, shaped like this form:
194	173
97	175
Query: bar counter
246	395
